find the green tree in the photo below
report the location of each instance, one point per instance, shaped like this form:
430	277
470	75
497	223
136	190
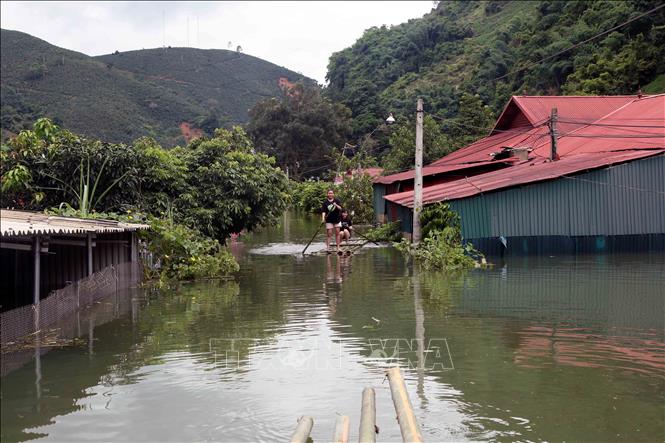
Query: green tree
231	188
300	129
403	141
474	120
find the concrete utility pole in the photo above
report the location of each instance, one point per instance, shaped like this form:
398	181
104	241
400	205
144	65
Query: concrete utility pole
418	179
553	134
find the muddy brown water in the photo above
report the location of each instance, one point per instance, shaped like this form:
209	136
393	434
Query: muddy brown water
548	348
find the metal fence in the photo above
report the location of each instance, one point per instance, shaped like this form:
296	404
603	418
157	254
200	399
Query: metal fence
63	302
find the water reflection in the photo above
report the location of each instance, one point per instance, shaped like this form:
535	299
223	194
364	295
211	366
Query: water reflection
512	353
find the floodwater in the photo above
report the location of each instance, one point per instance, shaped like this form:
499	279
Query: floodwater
550	348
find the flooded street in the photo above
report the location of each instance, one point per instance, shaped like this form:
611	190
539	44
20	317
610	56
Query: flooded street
547	348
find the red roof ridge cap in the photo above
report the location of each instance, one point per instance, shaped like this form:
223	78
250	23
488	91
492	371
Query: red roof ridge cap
582	96
647	96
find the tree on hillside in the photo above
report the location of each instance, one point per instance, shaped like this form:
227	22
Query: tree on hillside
299	129
473	120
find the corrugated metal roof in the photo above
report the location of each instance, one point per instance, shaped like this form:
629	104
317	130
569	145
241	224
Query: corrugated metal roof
575	113
618	130
480	150
637	125
633	130
527	172
538	108
15	223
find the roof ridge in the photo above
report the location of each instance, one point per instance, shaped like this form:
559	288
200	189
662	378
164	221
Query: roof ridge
583	96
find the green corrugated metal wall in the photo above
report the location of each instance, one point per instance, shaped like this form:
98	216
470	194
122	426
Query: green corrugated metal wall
379	203
622	200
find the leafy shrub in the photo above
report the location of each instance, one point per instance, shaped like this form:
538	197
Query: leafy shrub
307	195
441	251
441	246
437	217
184	254
386	232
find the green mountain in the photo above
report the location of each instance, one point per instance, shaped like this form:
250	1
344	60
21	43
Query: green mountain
169	94
475	48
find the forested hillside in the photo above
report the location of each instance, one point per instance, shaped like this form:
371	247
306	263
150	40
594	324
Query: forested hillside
225	83
476	48
170	94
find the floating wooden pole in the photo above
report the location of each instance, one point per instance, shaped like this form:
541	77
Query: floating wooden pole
368	417
341	434
301	434
405	416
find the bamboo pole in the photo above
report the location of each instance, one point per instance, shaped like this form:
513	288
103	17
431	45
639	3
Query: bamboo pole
313	237
341	433
368	417
301	434
405	416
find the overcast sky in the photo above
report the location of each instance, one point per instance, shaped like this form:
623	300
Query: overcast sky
297	35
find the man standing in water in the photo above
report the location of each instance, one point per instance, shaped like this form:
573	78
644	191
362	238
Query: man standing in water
331	214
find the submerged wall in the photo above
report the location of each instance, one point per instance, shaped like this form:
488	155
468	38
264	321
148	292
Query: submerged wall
620	208
612	209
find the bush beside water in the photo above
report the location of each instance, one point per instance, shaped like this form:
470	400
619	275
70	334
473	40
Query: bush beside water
182	253
441	246
389	232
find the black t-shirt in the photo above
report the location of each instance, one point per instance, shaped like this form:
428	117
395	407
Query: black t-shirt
346	223
333	213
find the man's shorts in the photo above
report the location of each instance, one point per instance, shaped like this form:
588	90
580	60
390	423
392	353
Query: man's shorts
333	225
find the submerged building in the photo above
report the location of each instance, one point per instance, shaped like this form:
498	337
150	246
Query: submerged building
592	182
51	266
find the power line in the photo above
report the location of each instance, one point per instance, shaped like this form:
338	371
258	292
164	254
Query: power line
581	43
512	131
651	135
577	122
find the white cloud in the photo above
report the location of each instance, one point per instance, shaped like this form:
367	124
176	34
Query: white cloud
298	35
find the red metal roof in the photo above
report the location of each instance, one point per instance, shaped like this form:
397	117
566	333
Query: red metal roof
632	122
527	172
639	124
480	150
537	109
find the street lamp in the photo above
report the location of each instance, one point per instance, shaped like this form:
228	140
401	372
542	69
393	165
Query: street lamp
390	120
